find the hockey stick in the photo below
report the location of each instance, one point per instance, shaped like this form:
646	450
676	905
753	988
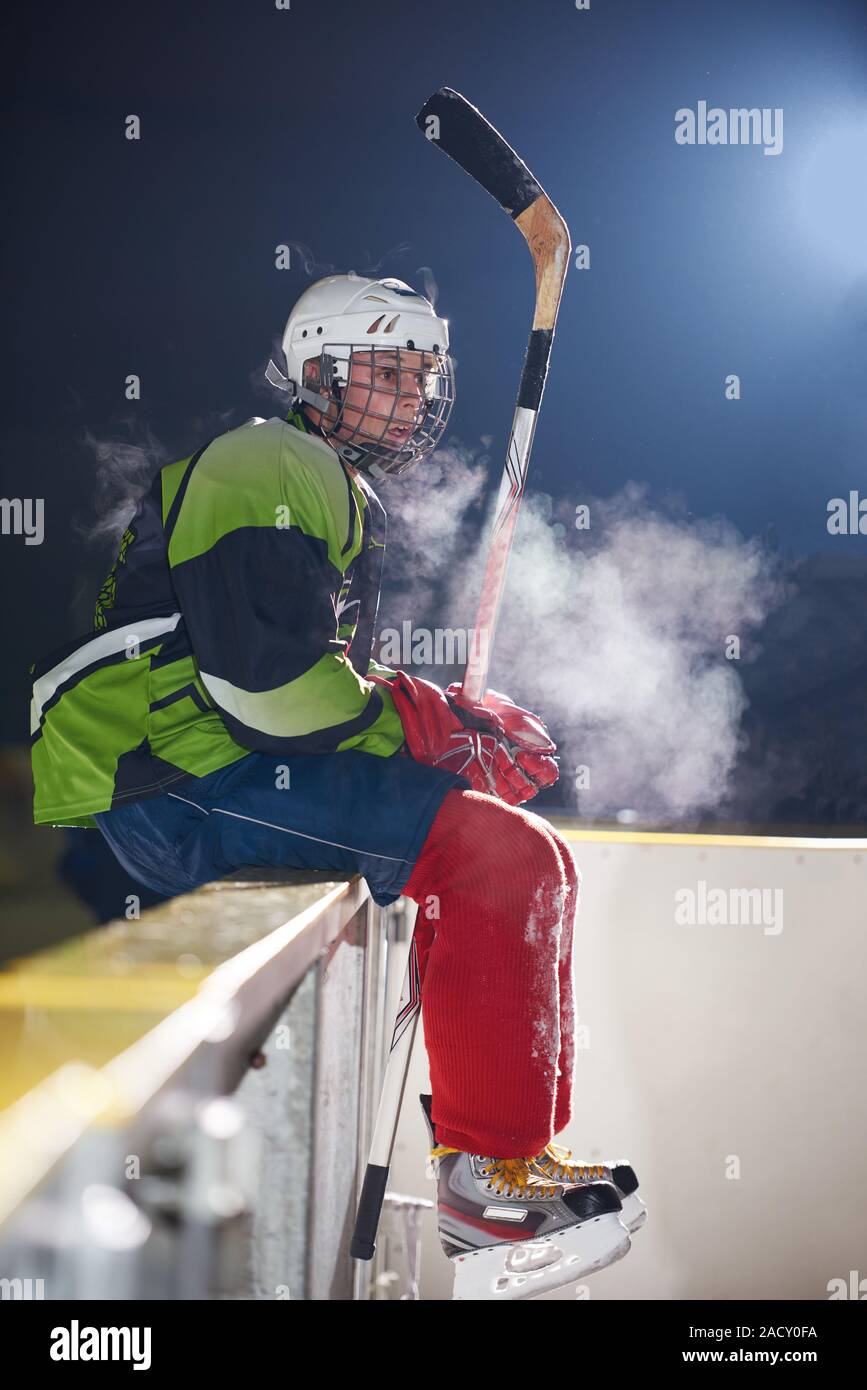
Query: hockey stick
462	132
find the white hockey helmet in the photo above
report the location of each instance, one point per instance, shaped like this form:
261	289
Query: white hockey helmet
351	333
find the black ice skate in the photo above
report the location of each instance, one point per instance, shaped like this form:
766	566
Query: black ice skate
512	1233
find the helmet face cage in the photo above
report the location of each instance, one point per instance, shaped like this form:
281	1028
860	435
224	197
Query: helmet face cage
346	366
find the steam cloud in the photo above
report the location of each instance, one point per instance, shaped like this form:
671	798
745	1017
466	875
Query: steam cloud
371	268
124	471
310	264
431	288
615	635
433	531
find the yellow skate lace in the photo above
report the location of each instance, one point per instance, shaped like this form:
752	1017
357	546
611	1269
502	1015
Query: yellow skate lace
513	1173
557	1162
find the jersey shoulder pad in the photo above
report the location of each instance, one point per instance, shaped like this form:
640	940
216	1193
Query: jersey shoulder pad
265	473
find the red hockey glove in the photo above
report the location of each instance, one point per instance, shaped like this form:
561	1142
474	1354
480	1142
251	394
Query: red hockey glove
499	747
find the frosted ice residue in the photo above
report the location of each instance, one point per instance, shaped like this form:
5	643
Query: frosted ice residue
544	919
546	1040
543	931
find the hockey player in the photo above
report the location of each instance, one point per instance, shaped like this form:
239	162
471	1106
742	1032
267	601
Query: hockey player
226	711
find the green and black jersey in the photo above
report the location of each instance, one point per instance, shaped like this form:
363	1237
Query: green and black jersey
239	615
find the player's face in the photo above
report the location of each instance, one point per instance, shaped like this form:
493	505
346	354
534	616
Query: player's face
381	403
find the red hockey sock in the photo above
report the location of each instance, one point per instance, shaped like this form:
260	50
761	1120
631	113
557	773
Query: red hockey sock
497	893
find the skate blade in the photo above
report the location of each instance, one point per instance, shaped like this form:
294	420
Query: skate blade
634	1213
532	1267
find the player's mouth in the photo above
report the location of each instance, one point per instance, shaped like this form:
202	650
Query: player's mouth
399	433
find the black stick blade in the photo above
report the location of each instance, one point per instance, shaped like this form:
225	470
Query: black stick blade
453	123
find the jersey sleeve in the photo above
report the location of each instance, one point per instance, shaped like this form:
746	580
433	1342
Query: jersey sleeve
255	560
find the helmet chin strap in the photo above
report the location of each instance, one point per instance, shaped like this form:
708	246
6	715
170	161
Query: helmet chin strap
320	403
358	458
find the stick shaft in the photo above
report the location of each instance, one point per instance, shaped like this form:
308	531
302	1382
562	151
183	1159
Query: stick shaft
363	1243
548	238
499	548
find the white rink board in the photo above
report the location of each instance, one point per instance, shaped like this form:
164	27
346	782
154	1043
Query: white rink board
706	1043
